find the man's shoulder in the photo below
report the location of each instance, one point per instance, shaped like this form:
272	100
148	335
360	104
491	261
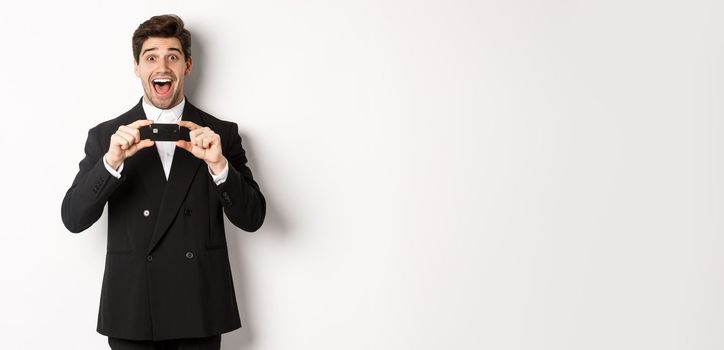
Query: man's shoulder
213	122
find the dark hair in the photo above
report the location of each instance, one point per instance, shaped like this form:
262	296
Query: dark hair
163	26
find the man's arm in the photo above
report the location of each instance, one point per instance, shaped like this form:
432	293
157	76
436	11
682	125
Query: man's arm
93	185
84	201
240	196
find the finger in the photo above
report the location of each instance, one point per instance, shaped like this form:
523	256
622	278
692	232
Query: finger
196	133
119	141
145	143
131	140
138	146
185	145
205	132
197	138
194	150
204	141
140	123
208	140
188	124
214	139
131	131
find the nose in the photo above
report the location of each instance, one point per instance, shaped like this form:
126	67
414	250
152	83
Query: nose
163	66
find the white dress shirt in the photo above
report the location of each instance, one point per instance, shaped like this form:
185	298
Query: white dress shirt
166	149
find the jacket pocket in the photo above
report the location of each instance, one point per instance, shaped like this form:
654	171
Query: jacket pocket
216	240
214	227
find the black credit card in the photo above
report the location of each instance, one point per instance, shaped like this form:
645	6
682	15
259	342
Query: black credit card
165	132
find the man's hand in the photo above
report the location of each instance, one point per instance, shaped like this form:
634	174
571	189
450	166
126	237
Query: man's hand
205	144
126	142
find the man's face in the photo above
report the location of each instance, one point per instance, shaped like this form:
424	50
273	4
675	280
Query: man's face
162	68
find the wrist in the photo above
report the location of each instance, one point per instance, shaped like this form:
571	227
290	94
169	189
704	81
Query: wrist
217	167
112	162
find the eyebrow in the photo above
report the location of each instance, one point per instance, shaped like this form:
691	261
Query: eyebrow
155	48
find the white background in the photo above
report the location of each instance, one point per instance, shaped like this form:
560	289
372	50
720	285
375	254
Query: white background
439	174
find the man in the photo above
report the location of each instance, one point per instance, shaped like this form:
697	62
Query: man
167	281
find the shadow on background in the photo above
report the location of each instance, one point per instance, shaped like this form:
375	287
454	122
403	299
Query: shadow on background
193	81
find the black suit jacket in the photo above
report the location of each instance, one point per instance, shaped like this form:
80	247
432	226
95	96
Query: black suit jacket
167	272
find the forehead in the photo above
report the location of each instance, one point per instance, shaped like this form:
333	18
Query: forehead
162	44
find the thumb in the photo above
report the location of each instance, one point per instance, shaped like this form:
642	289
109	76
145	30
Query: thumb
145	143
185	145
139	146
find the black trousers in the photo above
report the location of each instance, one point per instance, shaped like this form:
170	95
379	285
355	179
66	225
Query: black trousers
210	343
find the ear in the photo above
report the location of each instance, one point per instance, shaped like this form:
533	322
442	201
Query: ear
189	65
135	68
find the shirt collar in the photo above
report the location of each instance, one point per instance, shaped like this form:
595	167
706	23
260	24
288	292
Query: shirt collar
153	112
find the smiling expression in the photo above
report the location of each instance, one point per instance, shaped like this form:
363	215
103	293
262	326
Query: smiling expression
162	68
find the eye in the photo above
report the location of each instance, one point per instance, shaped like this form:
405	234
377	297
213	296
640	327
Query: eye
173	57
150	58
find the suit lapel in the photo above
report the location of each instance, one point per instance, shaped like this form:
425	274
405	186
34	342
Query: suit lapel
183	170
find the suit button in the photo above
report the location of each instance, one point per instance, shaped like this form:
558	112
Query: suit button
189	255
149	258
146	213
187	212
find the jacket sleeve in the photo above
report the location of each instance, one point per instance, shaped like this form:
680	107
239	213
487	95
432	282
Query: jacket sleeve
240	196
85	199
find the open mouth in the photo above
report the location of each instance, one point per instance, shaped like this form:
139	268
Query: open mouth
162	86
